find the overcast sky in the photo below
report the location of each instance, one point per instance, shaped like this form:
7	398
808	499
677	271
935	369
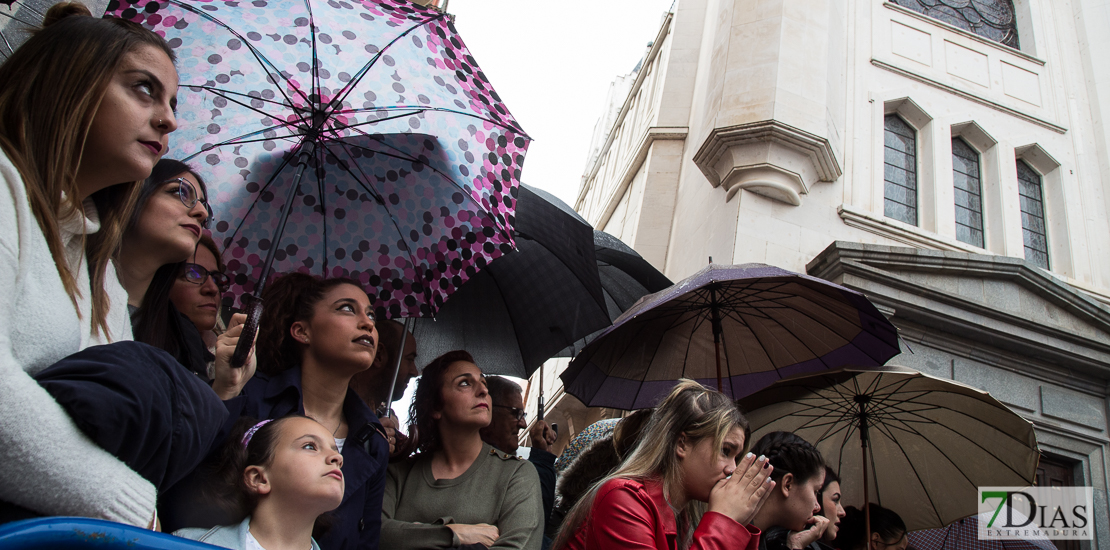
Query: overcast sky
552	62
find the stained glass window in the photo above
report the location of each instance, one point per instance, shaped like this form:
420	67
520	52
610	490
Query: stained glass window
1032	215
968	193
900	170
992	19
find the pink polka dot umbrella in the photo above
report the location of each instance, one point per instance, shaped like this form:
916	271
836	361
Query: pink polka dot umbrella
342	138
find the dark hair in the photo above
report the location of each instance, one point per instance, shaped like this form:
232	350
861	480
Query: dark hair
50	90
830	476
208	242
429	398
500	389
163	171
884	521
790	454
288	299
228	488
157	322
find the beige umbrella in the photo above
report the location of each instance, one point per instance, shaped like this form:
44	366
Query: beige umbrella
927	443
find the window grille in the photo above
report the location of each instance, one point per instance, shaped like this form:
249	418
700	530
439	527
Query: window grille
1032	215
966	180
900	170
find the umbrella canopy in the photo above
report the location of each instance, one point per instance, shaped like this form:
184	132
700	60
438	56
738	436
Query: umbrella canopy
625	278
17	18
532	302
734	327
583	440
931	443
342	138
963	534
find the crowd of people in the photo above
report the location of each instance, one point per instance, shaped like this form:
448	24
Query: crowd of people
118	399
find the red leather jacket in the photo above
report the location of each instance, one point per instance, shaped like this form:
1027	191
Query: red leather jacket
628	514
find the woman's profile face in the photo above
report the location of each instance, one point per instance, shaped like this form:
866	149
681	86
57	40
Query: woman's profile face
832	508
703	464
166	227
466	401
802	502
200	303
130	129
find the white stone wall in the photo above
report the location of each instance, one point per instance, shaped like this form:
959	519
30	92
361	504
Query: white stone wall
773	114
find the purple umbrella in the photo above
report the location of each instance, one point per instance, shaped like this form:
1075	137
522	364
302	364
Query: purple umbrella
738	327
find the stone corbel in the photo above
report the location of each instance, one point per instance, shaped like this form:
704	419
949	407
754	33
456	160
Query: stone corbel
768	158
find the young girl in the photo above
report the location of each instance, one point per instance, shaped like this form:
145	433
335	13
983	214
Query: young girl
831	508
86	105
689	454
279	476
788	519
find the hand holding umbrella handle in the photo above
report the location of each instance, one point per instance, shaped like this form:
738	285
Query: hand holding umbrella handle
250	330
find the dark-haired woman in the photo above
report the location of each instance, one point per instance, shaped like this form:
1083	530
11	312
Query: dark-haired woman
831	508
86	105
459	491
313	337
888	531
788	518
164	234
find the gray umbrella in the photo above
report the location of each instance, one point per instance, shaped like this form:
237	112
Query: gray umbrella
919	445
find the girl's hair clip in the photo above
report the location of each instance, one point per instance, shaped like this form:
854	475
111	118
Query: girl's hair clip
250	433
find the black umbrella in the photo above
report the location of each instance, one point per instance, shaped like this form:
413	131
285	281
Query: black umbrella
532	302
625	278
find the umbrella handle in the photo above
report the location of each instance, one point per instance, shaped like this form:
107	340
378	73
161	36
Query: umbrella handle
246	338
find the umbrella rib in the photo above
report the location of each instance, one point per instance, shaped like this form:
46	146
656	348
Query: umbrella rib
243	219
902	451
437	109
315	55
224	93
262	60
341	96
465	192
365	182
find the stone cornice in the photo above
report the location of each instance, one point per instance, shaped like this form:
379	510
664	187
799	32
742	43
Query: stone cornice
881	264
720	140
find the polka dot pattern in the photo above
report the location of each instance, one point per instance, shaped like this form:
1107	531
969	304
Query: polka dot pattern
413	185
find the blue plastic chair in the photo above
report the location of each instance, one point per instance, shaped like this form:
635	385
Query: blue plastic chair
80	533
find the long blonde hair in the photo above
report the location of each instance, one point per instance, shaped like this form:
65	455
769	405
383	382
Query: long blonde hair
691	410
50	90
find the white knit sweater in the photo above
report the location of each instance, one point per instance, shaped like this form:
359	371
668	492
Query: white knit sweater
46	463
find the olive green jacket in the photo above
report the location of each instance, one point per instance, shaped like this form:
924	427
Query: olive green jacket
499	489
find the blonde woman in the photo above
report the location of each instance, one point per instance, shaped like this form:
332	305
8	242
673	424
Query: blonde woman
685	484
85	108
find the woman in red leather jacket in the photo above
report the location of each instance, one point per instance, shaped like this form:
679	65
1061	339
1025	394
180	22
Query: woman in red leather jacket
689	456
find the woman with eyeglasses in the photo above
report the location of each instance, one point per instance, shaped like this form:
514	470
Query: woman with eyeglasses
161	238
196	295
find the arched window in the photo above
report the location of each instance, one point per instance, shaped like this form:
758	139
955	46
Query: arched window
1032	215
900	170
992	19
967	192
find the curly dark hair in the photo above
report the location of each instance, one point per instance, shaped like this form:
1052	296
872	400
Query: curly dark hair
288	299
429	398
790	454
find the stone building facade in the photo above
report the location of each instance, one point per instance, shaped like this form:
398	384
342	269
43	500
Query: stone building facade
952	164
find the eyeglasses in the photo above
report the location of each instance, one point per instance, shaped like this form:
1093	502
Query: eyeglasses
518	413
189	197
198	275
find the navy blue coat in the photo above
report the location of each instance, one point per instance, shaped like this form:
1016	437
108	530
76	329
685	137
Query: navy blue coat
365	455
